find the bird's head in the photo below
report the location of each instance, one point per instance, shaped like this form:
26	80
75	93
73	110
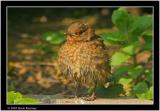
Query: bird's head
79	30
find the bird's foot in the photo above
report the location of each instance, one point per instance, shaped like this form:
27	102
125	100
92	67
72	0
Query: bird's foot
89	98
70	96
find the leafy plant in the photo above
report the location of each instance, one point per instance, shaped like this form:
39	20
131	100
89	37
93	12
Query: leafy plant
50	39
18	98
135	78
110	92
54	37
131	77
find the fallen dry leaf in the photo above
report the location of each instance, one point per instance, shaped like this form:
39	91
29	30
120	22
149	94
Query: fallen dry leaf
67	21
135	11
22	71
27	57
20	45
27	51
15	64
30	79
143	57
141	41
38	76
44	83
43	19
149	65
24	35
105	12
91	20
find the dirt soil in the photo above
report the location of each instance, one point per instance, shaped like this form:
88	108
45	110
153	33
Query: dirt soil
59	99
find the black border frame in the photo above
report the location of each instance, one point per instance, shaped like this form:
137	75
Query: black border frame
155	4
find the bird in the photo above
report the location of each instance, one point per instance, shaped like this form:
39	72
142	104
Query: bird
83	58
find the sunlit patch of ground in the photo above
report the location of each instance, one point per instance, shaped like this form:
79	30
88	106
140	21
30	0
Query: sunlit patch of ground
59	99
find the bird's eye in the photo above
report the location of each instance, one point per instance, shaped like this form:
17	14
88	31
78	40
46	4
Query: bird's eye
76	33
82	35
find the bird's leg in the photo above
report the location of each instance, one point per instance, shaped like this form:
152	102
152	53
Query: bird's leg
93	96
76	91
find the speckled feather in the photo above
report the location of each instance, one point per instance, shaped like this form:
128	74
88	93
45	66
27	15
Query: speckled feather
84	59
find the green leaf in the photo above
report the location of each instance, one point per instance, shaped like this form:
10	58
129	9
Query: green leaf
122	9
125	81
135	72
141	24
150	93
130	49
127	84
114	37
122	19
11	96
27	101
17	98
149	77
124	54
147	95
118	58
119	73
147	33
112	91
54	38
148	43
131	26
140	88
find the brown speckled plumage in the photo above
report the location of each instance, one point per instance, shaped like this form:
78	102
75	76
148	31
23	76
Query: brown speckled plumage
83	57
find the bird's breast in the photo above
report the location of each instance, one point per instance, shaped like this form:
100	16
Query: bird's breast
83	59
81	53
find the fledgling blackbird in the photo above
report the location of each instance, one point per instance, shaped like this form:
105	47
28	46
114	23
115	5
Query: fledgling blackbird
83	57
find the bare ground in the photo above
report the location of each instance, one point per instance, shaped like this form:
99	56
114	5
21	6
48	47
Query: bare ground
59	99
